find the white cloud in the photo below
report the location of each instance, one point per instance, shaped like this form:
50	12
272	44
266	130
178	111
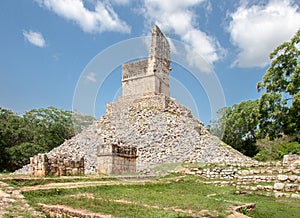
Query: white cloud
102	18
34	38
256	30
177	16
91	77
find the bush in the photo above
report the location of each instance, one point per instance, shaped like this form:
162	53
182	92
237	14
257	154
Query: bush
276	151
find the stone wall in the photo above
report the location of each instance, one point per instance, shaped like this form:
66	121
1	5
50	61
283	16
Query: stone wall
292	160
40	166
277	179
43	166
138	86
159	54
134	69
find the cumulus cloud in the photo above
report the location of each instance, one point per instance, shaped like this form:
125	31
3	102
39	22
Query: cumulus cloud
256	30
178	17
35	38
102	18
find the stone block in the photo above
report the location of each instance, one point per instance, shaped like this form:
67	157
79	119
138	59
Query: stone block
244	172
293	178
291	187
282	177
297	196
278	186
278	194
75	171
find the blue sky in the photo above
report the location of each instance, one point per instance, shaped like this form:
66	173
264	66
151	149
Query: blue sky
51	50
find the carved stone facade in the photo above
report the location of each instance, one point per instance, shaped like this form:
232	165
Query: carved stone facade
116	159
150	75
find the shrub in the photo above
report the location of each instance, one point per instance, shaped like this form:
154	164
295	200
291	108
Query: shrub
276	151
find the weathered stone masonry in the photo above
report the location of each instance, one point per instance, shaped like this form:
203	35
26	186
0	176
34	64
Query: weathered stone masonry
59	166
116	159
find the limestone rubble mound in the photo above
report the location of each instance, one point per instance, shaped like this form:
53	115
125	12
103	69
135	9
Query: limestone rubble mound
162	130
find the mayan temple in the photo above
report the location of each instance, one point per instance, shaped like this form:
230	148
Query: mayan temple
143	129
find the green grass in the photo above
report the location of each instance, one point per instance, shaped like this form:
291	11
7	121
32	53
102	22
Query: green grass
20	182
186	195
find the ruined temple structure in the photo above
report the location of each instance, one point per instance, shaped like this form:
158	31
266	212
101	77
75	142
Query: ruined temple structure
142	130
152	74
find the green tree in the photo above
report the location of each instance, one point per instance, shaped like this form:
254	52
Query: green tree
80	121
10	134
37	131
280	103
237	126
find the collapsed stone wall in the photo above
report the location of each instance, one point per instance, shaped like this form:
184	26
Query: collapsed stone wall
41	166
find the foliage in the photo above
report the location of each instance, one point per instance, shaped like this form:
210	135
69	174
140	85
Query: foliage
275	149
275	114
80	122
11	133
37	131
237	126
280	103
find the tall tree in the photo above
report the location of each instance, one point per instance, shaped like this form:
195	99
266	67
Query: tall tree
237	126
10	134
280	103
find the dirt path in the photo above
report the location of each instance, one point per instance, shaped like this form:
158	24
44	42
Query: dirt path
68	185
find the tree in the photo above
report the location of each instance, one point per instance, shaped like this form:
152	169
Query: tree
10	134
80	121
279	105
237	126
37	131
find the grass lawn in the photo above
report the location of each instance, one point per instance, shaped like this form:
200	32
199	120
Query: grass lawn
189	197
32	181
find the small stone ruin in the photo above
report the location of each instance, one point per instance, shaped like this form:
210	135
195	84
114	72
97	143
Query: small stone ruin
116	159
41	166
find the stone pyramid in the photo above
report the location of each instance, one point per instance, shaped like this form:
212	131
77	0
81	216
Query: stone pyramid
145	127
